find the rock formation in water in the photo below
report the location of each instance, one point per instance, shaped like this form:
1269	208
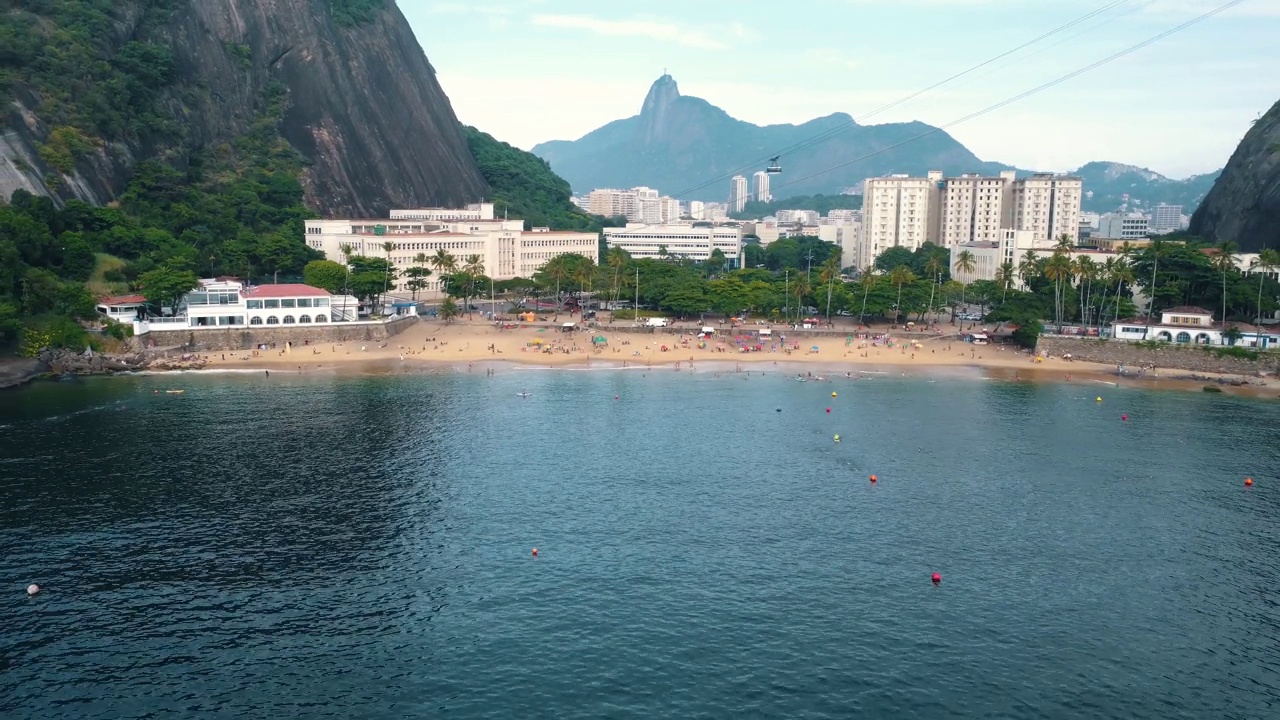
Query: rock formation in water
362	106
1244	205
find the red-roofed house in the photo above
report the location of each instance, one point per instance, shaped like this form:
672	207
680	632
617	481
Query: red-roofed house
1186	325
229	304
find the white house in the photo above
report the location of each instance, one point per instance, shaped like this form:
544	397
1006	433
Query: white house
122	308
230	304
1192	326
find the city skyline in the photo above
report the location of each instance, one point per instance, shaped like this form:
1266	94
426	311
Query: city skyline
1166	107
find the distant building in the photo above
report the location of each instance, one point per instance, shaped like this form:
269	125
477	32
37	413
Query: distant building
975	208
1123	226
697	209
475	211
762	186
122	308
670	209
679	241
1048	206
1166	218
1013	247
737	193
896	212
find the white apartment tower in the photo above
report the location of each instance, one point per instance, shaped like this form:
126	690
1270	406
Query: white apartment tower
762	186
737	193
898	211
1048	206
697	209
975	208
1166	218
670	209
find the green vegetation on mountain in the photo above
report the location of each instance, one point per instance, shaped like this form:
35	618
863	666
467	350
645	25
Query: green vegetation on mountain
349	13
822	204
525	187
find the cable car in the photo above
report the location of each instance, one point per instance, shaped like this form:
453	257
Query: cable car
774	168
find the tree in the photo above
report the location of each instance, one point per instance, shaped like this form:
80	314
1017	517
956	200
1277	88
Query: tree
828	276
965	262
1058	270
616	259
893	257
1224	261
387	247
868	281
325	274
716	262
554	272
1267	261
443	262
898	277
449	310
472	269
164	287
1005	275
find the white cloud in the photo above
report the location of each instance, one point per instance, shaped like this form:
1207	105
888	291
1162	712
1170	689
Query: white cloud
651	29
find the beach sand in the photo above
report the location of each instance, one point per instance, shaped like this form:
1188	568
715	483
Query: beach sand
481	346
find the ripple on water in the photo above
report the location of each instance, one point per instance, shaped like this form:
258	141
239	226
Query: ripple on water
360	546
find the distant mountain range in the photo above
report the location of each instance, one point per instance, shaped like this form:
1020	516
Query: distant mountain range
678	143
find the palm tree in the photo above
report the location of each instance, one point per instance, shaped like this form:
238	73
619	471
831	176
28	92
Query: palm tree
443	262
1058	270
900	276
616	259
556	269
1005	275
387	247
830	271
1267	261
472	269
1029	267
868	279
1087	270
965	264
1122	273
801	289
1225	260
449	310
347	252
583	274
933	266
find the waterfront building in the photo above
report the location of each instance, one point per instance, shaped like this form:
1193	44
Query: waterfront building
1188	325
122	308
679	241
505	249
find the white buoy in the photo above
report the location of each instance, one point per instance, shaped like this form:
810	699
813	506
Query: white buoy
32	589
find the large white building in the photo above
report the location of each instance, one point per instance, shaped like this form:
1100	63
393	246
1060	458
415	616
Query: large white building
474	211
737	193
681	241
1012	247
896	212
697	209
1123	226
505	249
1192	326
975	208
1048	206
762	186
1166	218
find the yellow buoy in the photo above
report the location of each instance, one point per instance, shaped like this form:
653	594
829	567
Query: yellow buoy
1099	399
833	394
837	438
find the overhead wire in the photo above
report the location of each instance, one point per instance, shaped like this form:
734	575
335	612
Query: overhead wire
830	132
1020	96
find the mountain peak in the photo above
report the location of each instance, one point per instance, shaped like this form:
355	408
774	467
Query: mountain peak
662	94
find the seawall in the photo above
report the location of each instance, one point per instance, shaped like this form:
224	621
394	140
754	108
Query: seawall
1194	359
220	339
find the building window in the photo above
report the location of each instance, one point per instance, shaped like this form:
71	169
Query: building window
322	318
253	304
269	304
304	320
288	320
255	321
288	303
1184	337
273	320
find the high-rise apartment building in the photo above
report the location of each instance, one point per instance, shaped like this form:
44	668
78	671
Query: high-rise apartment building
737	193
1166	218
974	208
896	212
670	209
1048	206
762	186
1123	226
697	209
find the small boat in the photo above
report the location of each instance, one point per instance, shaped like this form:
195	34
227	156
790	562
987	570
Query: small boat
174	392
523	394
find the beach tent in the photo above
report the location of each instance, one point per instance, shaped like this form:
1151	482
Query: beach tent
599	340
813	348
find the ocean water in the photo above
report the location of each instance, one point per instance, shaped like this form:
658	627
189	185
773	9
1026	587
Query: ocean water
360	547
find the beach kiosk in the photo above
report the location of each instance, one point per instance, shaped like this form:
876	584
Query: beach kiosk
568	327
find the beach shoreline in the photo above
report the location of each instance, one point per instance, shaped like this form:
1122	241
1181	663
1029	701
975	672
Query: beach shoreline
482	347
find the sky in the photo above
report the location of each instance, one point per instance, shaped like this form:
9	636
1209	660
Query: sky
528	71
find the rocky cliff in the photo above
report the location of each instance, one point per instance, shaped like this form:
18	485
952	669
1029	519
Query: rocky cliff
1244	204
360	103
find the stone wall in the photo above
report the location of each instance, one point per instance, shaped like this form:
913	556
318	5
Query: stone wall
222	339
1195	359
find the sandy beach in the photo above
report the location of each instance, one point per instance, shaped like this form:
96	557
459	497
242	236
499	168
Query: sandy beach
481	346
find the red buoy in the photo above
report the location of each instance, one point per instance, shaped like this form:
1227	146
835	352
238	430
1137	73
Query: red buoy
937	578
873	478
1124	417
828	409
1248	482
535	552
